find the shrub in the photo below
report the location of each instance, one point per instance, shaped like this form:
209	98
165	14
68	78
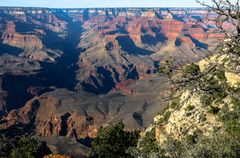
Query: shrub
191	139
6	145
166	116
113	141
220	75
161	69
174	104
148	147
174	148
149	143
220	145
236	102
168	68
190	107
213	110
28	147
206	100
233	126
191	69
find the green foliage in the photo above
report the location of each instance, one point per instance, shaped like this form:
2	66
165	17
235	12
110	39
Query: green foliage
213	110
6	145
215	90
233	126
147	147
206	100
191	69
149	143
236	102
174	104
227	115
210	83
191	139
190	107
22	147
231	118
220	75
166	116
237	49
188	147
174	148
113	141
234	44
219	146
26	147
168	68
161	69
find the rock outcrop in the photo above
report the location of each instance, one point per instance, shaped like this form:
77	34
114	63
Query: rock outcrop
80	115
233	79
45	113
56	156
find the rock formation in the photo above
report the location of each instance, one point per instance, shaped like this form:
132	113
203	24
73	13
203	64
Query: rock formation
51	59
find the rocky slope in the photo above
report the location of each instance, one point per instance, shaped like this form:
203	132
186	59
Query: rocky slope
205	106
79	115
111	46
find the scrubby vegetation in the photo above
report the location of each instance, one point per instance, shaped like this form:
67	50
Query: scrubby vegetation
191	70
147	147
167	68
22	147
113	141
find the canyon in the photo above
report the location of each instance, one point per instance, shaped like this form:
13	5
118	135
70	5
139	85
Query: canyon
68	72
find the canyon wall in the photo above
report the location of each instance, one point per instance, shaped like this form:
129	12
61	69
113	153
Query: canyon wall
51	59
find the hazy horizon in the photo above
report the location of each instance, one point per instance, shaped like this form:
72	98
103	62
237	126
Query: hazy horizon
100	3
199	7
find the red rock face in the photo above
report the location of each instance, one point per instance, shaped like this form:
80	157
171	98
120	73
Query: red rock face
110	38
56	156
198	33
22	41
42	112
172	28
11	37
123	87
186	40
218	36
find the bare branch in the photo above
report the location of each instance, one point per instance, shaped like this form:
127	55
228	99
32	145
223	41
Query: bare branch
227	12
